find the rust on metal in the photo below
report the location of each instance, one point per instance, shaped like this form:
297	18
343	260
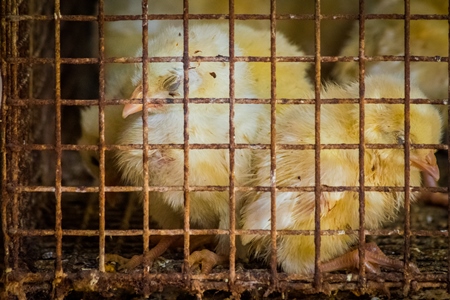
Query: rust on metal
232	148
101	142
186	148
362	147
318	284
273	148
407	144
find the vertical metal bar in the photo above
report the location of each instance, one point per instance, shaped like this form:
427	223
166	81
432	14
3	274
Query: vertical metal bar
101	145
362	147
5	120
30	74
407	280
15	131
317	189
58	149
146	202
232	149
186	63
273	141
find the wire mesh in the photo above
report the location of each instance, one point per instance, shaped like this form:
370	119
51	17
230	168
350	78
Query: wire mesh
47	78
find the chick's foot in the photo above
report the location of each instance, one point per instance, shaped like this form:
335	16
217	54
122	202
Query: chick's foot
207	259
148	258
374	258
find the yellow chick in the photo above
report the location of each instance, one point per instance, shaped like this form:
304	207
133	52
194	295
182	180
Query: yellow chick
386	37
208	124
339	124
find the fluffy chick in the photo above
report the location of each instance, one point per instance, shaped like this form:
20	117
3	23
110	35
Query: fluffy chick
386	37
208	123
339	124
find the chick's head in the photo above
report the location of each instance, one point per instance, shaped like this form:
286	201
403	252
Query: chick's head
385	124
206	79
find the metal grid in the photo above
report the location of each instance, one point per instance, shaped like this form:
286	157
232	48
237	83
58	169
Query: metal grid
20	196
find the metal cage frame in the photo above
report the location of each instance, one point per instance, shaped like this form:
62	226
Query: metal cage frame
18	281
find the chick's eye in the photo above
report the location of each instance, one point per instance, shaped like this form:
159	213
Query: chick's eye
171	83
400	140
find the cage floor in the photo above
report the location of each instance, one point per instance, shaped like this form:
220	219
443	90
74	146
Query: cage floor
429	253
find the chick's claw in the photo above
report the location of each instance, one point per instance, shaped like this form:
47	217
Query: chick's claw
127	264
123	264
374	258
207	259
117	259
147	258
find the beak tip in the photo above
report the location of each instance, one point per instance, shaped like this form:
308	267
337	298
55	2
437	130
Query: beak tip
130	109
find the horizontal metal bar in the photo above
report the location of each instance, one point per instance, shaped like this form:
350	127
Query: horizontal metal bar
262	232
220	58
112	18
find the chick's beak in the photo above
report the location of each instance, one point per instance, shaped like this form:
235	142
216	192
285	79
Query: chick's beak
426	164
130	109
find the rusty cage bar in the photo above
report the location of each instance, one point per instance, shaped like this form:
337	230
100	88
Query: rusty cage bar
59	223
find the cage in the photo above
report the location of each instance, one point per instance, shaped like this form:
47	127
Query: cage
63	223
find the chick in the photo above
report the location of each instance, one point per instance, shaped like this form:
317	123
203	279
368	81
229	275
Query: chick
386	37
208	124
339	124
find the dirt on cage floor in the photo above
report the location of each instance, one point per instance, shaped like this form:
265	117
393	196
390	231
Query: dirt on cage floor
79	254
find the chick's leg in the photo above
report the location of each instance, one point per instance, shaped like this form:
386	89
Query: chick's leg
148	258
207	259
374	258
